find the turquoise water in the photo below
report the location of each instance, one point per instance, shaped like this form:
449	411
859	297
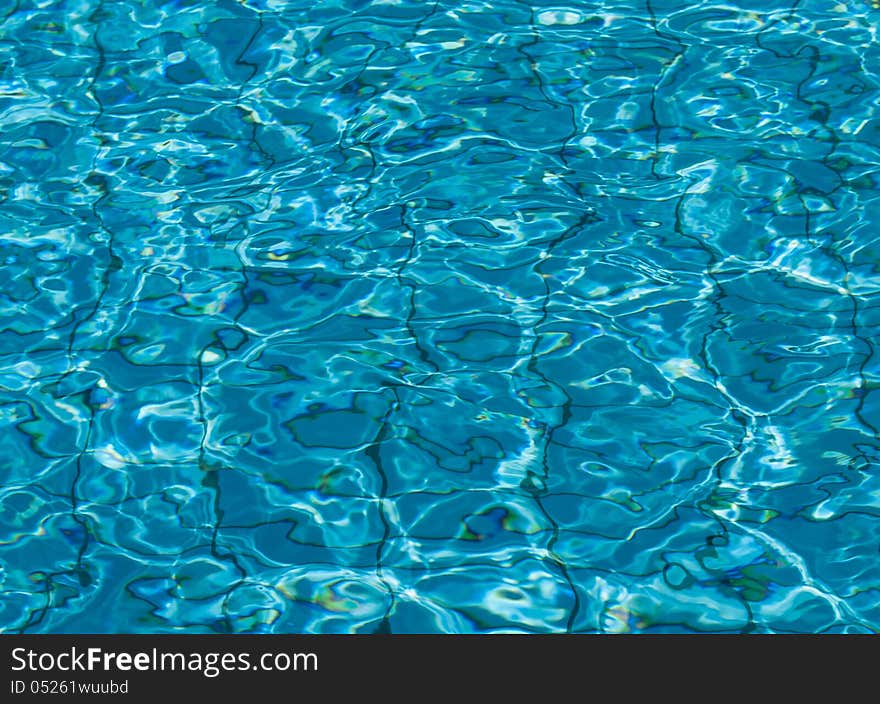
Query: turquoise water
439	317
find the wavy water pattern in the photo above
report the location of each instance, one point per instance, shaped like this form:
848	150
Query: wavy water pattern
398	316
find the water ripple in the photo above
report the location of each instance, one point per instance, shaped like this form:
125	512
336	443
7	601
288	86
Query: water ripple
460	317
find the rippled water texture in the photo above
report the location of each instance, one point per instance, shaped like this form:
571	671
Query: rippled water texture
463	317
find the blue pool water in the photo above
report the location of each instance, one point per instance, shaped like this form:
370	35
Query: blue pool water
439	317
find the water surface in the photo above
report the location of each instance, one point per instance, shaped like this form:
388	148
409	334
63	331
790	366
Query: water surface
449	317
